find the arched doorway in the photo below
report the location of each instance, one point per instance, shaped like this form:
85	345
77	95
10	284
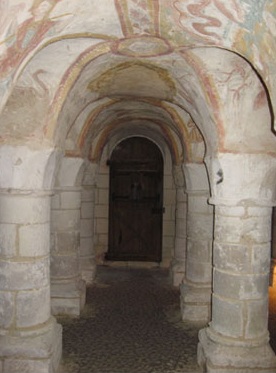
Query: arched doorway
135	201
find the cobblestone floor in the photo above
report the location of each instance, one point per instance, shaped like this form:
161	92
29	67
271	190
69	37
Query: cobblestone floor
131	324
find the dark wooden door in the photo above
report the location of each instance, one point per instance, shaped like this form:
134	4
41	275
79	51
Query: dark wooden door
135	201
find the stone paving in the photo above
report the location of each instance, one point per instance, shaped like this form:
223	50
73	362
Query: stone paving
131	323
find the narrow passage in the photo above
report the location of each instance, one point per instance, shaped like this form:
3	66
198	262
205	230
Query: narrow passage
131	323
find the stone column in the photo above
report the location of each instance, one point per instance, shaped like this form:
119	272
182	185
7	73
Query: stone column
237	339
87	222
30	337
243	192
196	286
87	254
67	287
178	264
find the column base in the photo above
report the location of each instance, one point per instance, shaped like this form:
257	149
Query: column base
88	270
68	297
195	303
177	272
39	353
214	357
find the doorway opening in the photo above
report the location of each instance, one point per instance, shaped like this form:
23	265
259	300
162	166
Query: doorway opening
135	201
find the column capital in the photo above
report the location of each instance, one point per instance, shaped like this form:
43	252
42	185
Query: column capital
67	188
26	192
242	179
235	202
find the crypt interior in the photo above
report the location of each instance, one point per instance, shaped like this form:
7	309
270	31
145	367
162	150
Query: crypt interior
138	135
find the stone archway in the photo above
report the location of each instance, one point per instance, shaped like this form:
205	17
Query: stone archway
223	95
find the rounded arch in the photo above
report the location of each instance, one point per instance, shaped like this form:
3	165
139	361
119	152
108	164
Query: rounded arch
204	82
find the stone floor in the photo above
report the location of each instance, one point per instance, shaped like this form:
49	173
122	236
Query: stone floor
131	323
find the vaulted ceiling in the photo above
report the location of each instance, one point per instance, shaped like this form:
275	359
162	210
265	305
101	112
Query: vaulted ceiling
199	74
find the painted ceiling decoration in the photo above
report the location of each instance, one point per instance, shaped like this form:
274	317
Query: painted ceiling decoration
75	77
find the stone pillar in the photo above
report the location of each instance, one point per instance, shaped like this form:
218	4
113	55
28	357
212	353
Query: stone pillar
178	264
237	339
196	287
243	192
87	254
30	337
67	288
87	222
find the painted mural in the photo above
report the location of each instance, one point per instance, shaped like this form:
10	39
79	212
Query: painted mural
244	26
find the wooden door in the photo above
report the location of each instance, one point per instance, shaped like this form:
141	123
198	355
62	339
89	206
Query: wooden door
135	201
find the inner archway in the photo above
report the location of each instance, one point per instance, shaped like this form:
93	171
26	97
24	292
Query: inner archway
135	201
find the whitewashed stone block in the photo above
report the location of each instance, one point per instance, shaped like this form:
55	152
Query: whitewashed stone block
180	247
24	275
196	176
234	211
101	226
25	168
259	211
34	240
168	243
67	242
199	251
261	256
32	307
65	266
199	272
86	228
232	257
227	317
87	210
228	229
169	196
26	366
256	321
240	287
55	201
198	203
7	309
195	303
181	210
86	246
199	225
8	240
69	171
70	199
103	181
66	306
169	228
181	229
24	209
87	194
103	196
168	182
65	219
181	195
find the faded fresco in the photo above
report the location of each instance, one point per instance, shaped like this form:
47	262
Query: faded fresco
135	28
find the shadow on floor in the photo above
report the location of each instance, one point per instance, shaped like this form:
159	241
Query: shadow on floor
131	323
